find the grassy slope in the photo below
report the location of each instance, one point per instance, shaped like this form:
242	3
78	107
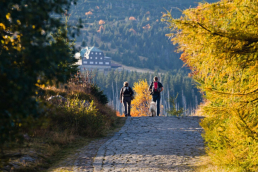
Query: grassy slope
61	129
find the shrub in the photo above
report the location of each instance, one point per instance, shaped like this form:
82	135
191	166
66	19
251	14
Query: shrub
83	121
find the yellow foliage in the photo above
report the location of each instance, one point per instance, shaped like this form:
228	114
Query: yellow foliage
10	40
119	115
18	22
132	18
101	22
88	13
8	15
40	85
2	26
140	104
219	42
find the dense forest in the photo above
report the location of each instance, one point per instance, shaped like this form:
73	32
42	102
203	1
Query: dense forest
174	83
130	31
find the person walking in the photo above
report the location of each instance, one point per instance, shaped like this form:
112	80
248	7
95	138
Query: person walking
155	88
126	94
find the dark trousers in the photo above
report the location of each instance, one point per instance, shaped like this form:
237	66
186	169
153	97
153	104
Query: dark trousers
156	98
127	105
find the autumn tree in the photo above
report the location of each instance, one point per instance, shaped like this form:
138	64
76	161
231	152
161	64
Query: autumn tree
140	104
219	43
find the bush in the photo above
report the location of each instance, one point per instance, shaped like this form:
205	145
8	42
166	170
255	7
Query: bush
80	111
80	120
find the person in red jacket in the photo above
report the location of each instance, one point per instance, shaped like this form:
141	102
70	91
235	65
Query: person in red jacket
126	94
155	88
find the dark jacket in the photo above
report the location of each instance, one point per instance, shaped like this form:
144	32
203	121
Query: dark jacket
122	92
156	93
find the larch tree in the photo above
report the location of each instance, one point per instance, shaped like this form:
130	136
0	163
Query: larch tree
219	43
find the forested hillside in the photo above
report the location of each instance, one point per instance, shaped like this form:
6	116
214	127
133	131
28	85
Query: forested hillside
130	31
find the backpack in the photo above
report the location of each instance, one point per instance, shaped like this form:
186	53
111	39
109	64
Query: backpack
127	92
155	87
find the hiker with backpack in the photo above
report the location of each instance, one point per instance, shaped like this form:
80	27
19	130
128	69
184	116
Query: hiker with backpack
126	95
155	88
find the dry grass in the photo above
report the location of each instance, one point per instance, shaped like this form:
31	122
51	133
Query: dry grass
205	165
56	137
53	147
62	138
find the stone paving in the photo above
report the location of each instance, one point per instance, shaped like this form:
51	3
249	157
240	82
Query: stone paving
81	160
143	144
152	144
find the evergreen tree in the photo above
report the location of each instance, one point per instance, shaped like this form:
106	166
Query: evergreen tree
35	49
91	41
84	44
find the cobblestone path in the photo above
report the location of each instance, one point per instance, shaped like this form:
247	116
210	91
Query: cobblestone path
152	144
143	144
81	160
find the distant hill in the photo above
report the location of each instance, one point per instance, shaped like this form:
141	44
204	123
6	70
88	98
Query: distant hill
130	31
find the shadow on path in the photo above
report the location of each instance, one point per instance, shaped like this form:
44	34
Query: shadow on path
152	144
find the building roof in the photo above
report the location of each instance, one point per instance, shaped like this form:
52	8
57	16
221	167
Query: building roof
88	50
94	49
